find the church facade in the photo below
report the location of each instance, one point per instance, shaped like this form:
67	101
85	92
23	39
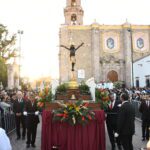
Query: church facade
108	52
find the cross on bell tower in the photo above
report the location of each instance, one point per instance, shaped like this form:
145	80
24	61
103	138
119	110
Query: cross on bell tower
73	12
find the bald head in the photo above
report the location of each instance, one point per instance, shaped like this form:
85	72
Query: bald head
19	95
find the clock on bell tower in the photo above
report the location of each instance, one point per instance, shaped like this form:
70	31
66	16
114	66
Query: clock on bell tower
73	12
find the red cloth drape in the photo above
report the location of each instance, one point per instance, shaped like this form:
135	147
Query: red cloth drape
78	137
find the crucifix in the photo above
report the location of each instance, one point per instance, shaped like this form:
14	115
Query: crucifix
72	50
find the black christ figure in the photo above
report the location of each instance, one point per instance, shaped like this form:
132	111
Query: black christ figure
72	50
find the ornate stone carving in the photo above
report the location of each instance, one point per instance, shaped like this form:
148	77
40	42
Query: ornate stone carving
111	59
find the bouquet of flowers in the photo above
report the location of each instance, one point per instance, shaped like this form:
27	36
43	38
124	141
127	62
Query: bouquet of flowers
44	96
102	97
73	113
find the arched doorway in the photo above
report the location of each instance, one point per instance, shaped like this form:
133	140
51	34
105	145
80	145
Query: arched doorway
112	76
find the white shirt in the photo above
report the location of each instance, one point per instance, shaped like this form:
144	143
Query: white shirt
148	103
113	103
4	141
124	102
19	100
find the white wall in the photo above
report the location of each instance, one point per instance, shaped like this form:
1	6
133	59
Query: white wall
141	68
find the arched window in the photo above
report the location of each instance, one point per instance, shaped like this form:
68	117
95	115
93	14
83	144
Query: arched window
73	3
74	19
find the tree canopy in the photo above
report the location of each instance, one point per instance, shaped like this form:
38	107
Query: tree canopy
7	51
7	43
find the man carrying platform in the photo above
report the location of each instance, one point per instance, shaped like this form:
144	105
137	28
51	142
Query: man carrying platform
111	120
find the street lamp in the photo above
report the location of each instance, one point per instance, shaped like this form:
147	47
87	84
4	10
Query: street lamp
20	32
131	40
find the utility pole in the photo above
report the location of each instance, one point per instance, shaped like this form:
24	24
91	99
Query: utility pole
20	33
131	40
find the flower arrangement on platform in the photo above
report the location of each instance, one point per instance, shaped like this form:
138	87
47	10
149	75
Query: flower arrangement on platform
102	97
73	113
44	96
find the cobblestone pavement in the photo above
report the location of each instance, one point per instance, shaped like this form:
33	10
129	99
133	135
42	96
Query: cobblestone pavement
21	144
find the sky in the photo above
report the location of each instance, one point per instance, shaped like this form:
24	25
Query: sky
40	21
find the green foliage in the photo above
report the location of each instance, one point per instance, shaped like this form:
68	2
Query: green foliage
62	88
49	95
118	84
44	96
102	97
3	72
84	88
7	42
7	51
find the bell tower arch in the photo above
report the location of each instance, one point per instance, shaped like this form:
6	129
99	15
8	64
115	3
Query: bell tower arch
73	12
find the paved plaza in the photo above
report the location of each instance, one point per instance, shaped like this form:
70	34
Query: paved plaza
21	144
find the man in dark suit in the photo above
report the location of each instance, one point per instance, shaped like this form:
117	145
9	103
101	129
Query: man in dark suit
111	120
125	122
145	111
18	108
31	112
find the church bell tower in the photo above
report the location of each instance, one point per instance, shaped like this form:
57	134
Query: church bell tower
73	12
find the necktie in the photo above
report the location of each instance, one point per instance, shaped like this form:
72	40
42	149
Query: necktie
111	105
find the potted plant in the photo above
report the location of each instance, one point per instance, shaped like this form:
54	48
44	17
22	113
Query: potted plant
84	88
62	88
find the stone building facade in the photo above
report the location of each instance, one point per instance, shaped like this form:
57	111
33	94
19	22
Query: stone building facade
108	52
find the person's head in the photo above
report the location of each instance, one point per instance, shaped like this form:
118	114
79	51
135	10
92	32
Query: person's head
72	46
19	95
31	96
5	95
124	97
13	96
112	96
26	95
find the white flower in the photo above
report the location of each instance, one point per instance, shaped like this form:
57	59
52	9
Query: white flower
74	120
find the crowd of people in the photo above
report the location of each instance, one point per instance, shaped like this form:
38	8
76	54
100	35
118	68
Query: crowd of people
120	122
26	114
120	116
